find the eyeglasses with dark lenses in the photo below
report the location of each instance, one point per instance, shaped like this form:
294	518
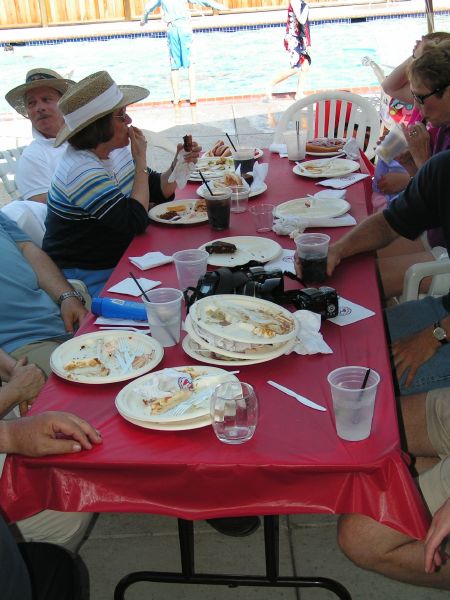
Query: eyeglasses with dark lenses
420	98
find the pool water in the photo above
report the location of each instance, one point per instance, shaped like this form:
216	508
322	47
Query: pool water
230	63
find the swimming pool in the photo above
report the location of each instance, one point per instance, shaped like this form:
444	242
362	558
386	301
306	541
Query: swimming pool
230	63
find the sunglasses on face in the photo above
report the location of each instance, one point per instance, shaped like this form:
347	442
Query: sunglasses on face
420	98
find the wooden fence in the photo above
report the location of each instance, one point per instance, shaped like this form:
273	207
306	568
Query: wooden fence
38	13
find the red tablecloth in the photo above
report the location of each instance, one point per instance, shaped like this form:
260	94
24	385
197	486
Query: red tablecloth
295	463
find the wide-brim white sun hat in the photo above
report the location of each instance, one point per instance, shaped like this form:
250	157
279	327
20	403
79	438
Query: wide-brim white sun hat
36	78
91	98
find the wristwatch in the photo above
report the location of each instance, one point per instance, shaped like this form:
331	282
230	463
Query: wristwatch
439	333
70	294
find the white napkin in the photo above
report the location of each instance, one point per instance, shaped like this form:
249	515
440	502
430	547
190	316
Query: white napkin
124	322
343	182
280	148
285	262
351	149
259	175
128	286
309	338
150	260
349	312
182	170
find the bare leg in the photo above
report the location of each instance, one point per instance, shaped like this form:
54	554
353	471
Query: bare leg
192	82
278	79
392	271
376	547
414	417
301	79
174	79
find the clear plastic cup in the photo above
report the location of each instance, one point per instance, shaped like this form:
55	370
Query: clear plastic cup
353	405
393	144
312	250
239	198
234	412
190	266
295	144
163	308
218	207
245	159
263	217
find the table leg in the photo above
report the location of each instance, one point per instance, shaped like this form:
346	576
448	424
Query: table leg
270	579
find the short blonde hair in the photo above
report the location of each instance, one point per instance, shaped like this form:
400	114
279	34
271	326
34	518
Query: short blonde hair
432	69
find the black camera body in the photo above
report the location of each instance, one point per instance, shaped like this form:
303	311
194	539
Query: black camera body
268	285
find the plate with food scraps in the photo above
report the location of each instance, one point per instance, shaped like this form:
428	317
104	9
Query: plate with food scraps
325	146
217	186
181	212
211	167
257	153
106	357
244	319
235	349
312	208
179	426
239	250
156	398
326	168
205	355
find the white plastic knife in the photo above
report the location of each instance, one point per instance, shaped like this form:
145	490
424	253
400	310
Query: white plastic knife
298	397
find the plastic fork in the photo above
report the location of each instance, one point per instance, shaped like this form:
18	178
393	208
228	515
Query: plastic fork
123	328
128	355
181	408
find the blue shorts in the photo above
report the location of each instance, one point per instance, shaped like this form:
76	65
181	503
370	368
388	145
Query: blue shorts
179	39
411	317
94	279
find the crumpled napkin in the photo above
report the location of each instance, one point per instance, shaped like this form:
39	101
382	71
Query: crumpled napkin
128	286
309	338
351	149
294	225
280	148
342	182
150	260
182	170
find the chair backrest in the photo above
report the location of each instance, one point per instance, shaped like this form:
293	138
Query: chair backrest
334	114
8	166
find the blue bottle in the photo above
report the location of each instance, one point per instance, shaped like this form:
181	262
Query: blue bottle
114	308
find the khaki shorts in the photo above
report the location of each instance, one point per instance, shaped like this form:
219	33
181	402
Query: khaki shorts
435	482
38	353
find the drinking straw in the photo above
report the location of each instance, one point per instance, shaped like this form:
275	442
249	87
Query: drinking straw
232	145
235	126
366	377
205	182
144	293
356	415
297	129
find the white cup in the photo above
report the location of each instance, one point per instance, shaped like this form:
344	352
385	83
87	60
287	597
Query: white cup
263	217
163	308
234	412
393	144
295	144
190	266
353	405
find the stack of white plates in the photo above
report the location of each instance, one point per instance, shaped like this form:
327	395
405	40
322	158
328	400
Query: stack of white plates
134	401
233	329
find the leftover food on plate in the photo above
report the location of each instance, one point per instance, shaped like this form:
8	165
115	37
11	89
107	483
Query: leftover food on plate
184	211
325	145
220	247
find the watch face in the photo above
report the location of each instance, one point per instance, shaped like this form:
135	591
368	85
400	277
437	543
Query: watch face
440	333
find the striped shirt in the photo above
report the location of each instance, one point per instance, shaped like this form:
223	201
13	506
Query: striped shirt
91	217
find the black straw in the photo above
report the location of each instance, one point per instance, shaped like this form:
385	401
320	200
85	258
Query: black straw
144	293
232	145
366	377
205	182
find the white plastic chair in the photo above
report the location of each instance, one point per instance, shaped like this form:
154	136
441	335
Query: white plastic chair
439	269
311	112
8	166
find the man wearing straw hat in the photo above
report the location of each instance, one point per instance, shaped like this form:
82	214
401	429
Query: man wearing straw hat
102	189
37	99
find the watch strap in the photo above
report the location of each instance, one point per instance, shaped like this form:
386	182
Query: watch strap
70	294
441	337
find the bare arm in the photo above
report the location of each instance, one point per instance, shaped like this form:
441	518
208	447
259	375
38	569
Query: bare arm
39	198
140	191
396	84
25	383
41	435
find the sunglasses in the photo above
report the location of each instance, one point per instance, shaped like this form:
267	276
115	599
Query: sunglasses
420	98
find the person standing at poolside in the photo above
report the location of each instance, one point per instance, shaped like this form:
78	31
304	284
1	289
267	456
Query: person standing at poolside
297	42
177	15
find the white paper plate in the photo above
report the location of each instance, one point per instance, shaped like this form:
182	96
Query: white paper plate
85	346
249	247
258	154
325	168
187	217
324	154
199	352
202	190
312	208
211	167
180	426
130	405
244	315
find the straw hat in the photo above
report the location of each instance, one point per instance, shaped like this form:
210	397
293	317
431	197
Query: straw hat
92	98
34	79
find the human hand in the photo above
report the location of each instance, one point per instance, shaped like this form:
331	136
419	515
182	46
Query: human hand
419	144
191	156
72	313
392	183
411	352
439	529
138	147
25	383
334	258
49	433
